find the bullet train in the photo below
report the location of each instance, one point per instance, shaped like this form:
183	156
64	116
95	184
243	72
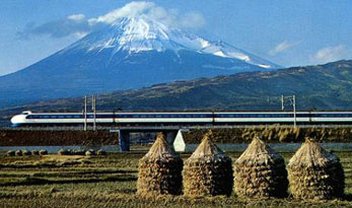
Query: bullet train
28	118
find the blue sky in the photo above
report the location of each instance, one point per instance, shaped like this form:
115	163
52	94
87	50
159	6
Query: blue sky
289	33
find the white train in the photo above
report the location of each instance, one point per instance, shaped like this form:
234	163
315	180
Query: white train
28	118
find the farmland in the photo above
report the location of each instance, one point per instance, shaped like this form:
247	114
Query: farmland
110	181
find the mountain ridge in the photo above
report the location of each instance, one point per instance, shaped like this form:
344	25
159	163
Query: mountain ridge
324	87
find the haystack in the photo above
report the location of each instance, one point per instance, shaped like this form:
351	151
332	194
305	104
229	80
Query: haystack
160	170
208	172
315	173
260	172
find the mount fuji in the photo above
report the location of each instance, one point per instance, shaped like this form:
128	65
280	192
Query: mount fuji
131	53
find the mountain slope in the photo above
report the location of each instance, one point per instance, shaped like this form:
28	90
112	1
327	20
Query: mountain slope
129	54
323	87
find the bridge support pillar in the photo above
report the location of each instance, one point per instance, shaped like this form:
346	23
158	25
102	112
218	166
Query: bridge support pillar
124	140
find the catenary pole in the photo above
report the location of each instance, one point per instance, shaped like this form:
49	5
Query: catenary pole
85	113
94	108
294	110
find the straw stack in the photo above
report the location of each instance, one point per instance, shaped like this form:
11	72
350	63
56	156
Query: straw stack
208	172
260	172
160	170
315	173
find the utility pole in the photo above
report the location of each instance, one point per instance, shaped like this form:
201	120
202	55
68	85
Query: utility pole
85	113
292	99
94	108
294	110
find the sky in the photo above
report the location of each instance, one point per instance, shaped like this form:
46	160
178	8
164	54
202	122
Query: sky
286	32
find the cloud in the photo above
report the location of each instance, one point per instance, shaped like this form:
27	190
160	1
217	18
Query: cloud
75	24
129	10
171	17
329	54
79	25
77	17
192	20
282	47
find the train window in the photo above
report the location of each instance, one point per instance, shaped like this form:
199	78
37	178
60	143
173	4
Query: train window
343	115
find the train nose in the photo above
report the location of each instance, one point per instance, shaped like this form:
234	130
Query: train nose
17	120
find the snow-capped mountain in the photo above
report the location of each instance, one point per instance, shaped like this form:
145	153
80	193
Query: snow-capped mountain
129	54
135	35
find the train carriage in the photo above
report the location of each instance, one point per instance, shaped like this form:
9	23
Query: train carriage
28	118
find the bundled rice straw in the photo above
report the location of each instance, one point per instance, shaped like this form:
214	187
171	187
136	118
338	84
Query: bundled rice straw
260	172
315	173
160	170
208	171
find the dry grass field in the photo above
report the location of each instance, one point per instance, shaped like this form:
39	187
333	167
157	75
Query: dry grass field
110	181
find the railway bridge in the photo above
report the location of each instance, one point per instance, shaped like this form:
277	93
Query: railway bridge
173	133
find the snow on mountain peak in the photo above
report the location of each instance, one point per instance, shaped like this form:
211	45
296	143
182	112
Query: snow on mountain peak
140	29
138	34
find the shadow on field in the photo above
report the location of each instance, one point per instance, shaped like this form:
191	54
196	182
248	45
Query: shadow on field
43	181
347	197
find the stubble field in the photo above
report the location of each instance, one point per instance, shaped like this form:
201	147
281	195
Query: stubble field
110	181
